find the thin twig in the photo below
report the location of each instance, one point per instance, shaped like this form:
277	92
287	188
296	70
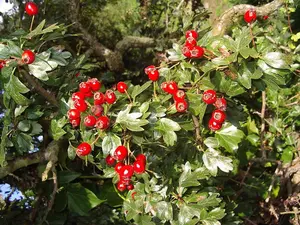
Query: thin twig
247	172
197	129
288	17
263	123
272	182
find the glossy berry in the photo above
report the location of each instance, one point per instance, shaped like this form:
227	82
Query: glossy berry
94	84
125	179
186	51
126	171
197	52
209	96
75	122
80	105
214	125
73	114
28	57
102	123
121	186
84	87
78	95
122	87
119	166
191	33
221	104
99	98
250	16
153	75
97	110
179	95
120	153
83	149
88	94
218	115
89	121
149	69
130	187
110	97
2	63
141	157
110	160
181	106
139	167
31	8
190	42
164	86
265	17
172	87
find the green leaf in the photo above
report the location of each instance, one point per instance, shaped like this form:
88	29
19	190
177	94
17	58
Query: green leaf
277	60
4	139
213	160
65	177
81	200
168	124
170	138
187	213
109	144
145	220
196	105
24	125
14	88
39	29
71	152
211	142
36	128
19	110
164	210
287	155
57	128
244	76
140	89
24	143
211	201
166	128
229	137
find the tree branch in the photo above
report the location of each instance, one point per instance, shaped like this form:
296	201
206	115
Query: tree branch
134	42
226	20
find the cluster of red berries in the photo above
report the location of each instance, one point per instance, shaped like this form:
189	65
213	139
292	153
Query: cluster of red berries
124	171
152	72
88	101
218	115
171	87
190	48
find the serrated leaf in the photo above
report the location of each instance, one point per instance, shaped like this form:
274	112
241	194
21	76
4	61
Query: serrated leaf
168	125
24	125
164	210
71	152
36	128
39	29
15	88
140	89
110	143
57	128
187	213
170	138
196	105
24	143
277	60
211	142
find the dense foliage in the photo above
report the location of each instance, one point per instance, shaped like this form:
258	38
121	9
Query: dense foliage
245	169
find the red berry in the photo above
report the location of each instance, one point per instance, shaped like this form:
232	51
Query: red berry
122	87
97	110
77	74
28	57
110	97
265	17
250	16
119	166
75	122
84	87
130	187
181	106
153	75
99	98
94	84
126	171
73	114
2	63
164	86
133	194
78	95
197	52
110	160
88	94
139	167
120	153
186	51
172	87
89	121
121	186
80	105
31	8
221	104
214	125
190	42
218	115
124	179
191	33
149	69
102	122
209	96
141	157
179	95
83	149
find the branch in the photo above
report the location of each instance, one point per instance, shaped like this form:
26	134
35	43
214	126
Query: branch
226	20
263	123
197	129
134	42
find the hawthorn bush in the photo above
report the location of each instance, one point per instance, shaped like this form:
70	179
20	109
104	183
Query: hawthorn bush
206	133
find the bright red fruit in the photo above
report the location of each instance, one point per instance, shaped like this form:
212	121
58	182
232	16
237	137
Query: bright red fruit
125	179
84	87
110	160
121	186
186	51
164	86
190	42
102	122
191	33
141	157
126	171
83	149
78	95
110	96
89	121
28	57
88	94
179	95
94	84
31	8
214	125
75	122
153	75
149	69
73	114
197	52
172	87
2	63
80	105
250	16
120	153
265	17
218	115
221	104
99	98
139	167
119	166
181	106
209	96
130	187
122	87
97	110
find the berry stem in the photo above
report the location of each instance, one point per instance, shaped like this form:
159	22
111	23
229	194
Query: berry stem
128	96
252	37
117	191
154	91
97	138
31	24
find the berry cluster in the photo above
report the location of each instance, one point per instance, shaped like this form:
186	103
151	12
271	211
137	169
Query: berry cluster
152	72
218	115
126	171
190	48
250	16
88	103
171	87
